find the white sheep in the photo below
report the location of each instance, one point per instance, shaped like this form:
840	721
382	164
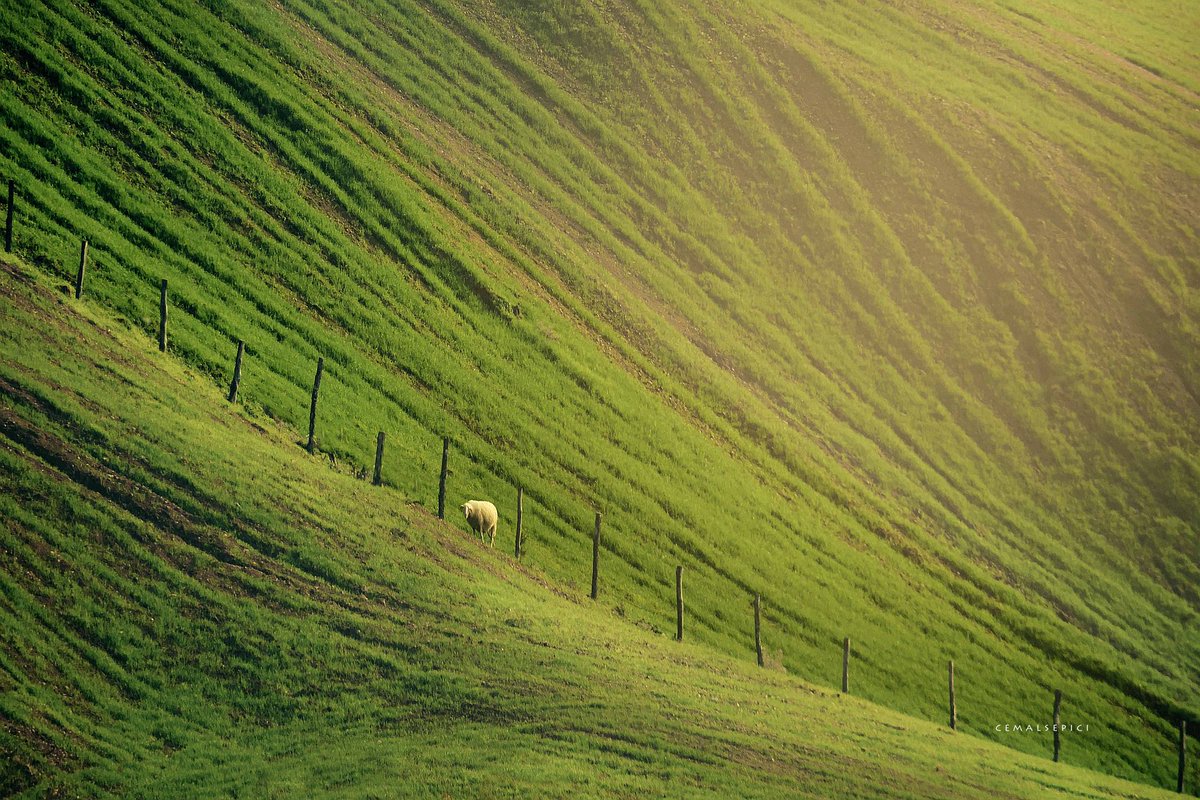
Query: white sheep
482	517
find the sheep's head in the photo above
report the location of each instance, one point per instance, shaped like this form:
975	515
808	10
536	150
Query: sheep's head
466	509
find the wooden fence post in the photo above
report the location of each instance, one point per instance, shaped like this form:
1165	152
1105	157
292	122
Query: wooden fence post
846	665
520	517
8	216
596	558
442	478
237	372
162	317
1057	707
953	707
83	250
378	479
312	408
1182	754
679	603
758	629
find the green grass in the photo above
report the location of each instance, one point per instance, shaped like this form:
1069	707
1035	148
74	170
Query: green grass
210	612
887	314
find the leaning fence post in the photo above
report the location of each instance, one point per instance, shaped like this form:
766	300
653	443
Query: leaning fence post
953	707
1057	706
312	408
162	317
679	603
1182	753
83	250
846	665
520	516
378	479
442	478
237	372
758	629
8	216
596	558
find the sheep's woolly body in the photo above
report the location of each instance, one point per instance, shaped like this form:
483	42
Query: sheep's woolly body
482	517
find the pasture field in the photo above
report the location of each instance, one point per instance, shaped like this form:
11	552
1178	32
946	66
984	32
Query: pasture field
888	312
197	608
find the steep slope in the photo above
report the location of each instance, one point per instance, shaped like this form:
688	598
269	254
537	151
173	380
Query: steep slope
193	607
888	312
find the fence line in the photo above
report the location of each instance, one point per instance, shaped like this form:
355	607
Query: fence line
518	547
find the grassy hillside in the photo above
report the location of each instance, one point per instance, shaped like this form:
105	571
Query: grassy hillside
888	312
193	607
